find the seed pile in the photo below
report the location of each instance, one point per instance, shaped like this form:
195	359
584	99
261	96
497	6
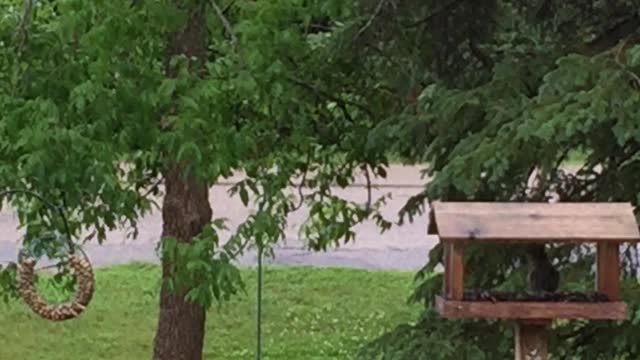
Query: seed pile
495	296
57	312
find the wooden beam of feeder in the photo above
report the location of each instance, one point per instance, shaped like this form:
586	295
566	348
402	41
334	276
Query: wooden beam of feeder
452	309
535	222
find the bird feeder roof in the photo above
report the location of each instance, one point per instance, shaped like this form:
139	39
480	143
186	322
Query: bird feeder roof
534	222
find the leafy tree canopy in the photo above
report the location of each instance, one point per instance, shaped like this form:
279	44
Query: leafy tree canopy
493	95
89	114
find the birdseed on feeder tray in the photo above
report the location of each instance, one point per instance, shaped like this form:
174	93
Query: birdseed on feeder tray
57	312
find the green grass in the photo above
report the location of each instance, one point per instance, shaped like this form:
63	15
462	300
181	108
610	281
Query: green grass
309	314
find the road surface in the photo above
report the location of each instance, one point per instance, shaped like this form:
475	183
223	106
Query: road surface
401	248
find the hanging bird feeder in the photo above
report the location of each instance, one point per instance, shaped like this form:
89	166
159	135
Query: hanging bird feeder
72	257
605	224
80	266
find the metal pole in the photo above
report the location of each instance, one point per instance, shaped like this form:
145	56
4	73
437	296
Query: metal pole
259	307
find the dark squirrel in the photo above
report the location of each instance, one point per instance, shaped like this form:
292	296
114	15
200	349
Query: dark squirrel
542	277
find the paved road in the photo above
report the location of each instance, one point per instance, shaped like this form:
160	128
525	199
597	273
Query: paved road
403	248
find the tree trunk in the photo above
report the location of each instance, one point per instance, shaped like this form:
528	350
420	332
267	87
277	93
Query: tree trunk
185	212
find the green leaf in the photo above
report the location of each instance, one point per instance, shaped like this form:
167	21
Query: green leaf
244	195
634	56
167	89
189	153
189	103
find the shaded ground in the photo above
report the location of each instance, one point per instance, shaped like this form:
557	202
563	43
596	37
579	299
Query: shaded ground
403	248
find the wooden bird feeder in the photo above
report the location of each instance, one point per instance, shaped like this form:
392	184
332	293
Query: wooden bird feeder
605	224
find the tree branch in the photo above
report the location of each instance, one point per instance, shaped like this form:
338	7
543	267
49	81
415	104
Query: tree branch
369	195
302	183
228	7
478	53
22	32
621	48
341	102
225	22
368	24
614	35
153	187
435	13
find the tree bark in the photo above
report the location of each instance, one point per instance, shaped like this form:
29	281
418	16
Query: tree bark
185	212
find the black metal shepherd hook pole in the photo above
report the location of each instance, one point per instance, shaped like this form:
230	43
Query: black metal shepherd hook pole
259	307
58	209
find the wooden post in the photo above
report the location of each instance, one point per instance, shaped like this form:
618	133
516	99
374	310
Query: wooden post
454	271
608	270
531	340
446	281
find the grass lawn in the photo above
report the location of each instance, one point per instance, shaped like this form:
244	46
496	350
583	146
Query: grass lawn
309	314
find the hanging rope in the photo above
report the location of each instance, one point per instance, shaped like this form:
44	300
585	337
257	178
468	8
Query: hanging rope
74	257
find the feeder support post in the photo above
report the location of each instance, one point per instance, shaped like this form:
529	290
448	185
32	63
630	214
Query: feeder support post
531	340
